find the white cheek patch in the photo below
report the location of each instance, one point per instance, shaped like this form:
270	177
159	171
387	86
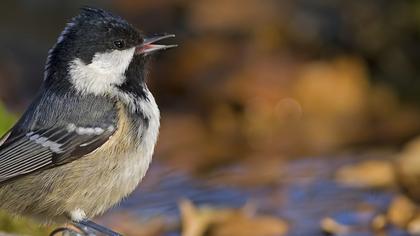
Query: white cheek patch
105	70
112	62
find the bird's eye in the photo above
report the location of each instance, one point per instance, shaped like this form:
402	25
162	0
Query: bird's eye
119	44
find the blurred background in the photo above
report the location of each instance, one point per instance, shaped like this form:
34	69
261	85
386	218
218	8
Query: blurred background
279	117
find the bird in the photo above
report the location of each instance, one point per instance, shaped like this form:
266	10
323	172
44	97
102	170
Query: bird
87	139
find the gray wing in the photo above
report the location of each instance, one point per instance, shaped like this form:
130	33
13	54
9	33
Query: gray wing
44	148
60	126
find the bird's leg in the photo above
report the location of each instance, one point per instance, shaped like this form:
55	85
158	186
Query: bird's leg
86	225
78	219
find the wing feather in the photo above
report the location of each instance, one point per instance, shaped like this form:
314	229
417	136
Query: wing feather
27	152
3	139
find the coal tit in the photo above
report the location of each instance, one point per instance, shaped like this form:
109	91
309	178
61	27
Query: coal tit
88	138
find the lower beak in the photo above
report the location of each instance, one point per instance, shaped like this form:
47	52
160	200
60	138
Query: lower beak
148	45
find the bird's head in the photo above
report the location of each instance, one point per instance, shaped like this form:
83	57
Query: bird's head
95	50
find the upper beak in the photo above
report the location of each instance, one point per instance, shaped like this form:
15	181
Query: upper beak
148	47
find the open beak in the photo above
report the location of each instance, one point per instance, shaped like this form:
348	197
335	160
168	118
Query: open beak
148	45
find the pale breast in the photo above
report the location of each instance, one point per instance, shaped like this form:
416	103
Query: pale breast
115	169
129	151
134	143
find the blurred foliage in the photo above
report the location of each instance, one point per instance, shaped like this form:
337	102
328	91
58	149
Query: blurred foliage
22	226
6	120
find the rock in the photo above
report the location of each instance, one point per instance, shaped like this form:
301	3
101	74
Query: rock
194	221
401	211
413	226
226	222
250	226
371	174
332	227
408	169
379	223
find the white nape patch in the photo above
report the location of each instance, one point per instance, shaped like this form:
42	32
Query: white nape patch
43	141
77	215
105	70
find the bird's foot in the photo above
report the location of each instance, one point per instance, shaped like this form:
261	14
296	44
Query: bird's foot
88	226
84	228
65	231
